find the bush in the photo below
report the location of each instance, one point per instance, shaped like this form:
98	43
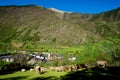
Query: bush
6	68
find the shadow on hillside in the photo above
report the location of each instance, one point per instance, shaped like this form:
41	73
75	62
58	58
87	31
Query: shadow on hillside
46	78
13	67
109	73
15	78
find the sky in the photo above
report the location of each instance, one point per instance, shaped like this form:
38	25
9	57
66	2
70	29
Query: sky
81	6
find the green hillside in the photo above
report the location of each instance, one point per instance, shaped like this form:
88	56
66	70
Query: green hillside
30	26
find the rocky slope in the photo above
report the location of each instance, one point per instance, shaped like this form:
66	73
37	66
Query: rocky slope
38	24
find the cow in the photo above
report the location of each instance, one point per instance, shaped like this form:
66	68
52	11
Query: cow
59	68
102	64
73	68
52	68
81	66
38	69
43	69
65	68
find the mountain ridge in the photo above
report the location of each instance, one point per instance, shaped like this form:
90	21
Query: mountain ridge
33	5
39	24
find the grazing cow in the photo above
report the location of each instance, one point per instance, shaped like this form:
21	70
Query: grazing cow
65	68
74	68
38	69
43	69
59	68
102	64
81	66
52	68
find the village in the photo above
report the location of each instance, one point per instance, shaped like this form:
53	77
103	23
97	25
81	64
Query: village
35	60
33	57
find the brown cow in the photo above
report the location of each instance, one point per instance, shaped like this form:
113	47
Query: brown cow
73	68
59	68
102	64
65	68
52	68
38	69
81	66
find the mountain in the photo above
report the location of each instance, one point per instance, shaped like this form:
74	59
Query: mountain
19	24
112	15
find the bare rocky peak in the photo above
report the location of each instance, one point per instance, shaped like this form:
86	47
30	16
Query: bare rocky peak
58	13
56	10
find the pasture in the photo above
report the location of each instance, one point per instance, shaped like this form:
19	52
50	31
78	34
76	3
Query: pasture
32	75
108	73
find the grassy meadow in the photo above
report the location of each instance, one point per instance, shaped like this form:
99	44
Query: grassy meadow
108	73
31	75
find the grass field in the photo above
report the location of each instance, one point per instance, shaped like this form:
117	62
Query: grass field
32	75
108	73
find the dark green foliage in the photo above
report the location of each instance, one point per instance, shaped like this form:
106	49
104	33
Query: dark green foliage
109	73
7	32
54	40
5	46
103	30
115	55
12	67
114	14
3	64
26	36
